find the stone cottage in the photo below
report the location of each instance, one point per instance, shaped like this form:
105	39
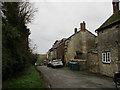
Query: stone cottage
52	53
60	50
78	45
109	43
57	50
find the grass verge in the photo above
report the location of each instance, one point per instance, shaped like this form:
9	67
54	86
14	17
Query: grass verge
30	78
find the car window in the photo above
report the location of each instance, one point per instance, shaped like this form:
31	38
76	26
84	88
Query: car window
55	61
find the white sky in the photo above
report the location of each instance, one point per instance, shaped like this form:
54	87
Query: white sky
57	19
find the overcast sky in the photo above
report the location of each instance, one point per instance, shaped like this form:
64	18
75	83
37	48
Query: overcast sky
57	20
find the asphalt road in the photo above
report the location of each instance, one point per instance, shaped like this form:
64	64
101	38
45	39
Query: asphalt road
65	78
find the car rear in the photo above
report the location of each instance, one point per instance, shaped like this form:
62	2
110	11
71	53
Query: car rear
57	63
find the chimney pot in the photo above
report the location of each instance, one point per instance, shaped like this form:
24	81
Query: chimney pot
82	26
75	30
115	6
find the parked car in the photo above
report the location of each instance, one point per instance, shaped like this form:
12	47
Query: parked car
56	63
117	79
49	63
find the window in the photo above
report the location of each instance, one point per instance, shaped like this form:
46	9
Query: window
106	57
79	55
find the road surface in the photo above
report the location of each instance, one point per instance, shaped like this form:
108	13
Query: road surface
65	78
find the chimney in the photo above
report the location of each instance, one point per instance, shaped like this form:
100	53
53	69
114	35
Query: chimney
115	6
82	26
75	30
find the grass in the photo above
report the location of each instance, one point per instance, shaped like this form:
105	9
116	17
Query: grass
30	78
41	58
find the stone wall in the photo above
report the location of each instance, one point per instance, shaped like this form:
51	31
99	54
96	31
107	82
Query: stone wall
92	54
60	51
107	41
76	43
78	46
118	47
92	63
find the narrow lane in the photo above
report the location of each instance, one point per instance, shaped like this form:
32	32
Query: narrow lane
64	78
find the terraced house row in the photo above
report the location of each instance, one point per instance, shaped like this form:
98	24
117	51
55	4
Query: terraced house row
99	54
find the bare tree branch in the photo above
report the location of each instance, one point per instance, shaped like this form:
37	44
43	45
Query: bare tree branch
26	11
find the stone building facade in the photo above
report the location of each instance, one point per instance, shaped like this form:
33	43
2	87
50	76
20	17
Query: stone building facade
74	48
60	50
92	61
52	52
109	43
78	45
57	50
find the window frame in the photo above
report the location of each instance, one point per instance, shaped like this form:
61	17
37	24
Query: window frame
106	57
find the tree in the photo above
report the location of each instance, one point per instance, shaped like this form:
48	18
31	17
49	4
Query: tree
16	52
26	12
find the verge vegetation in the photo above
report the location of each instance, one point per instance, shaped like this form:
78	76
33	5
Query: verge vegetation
29	78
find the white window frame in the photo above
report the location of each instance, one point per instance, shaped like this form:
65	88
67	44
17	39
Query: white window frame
106	57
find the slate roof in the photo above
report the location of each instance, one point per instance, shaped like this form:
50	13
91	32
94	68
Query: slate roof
113	19
58	43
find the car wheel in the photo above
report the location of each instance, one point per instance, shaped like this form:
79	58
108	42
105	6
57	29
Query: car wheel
117	82
53	66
